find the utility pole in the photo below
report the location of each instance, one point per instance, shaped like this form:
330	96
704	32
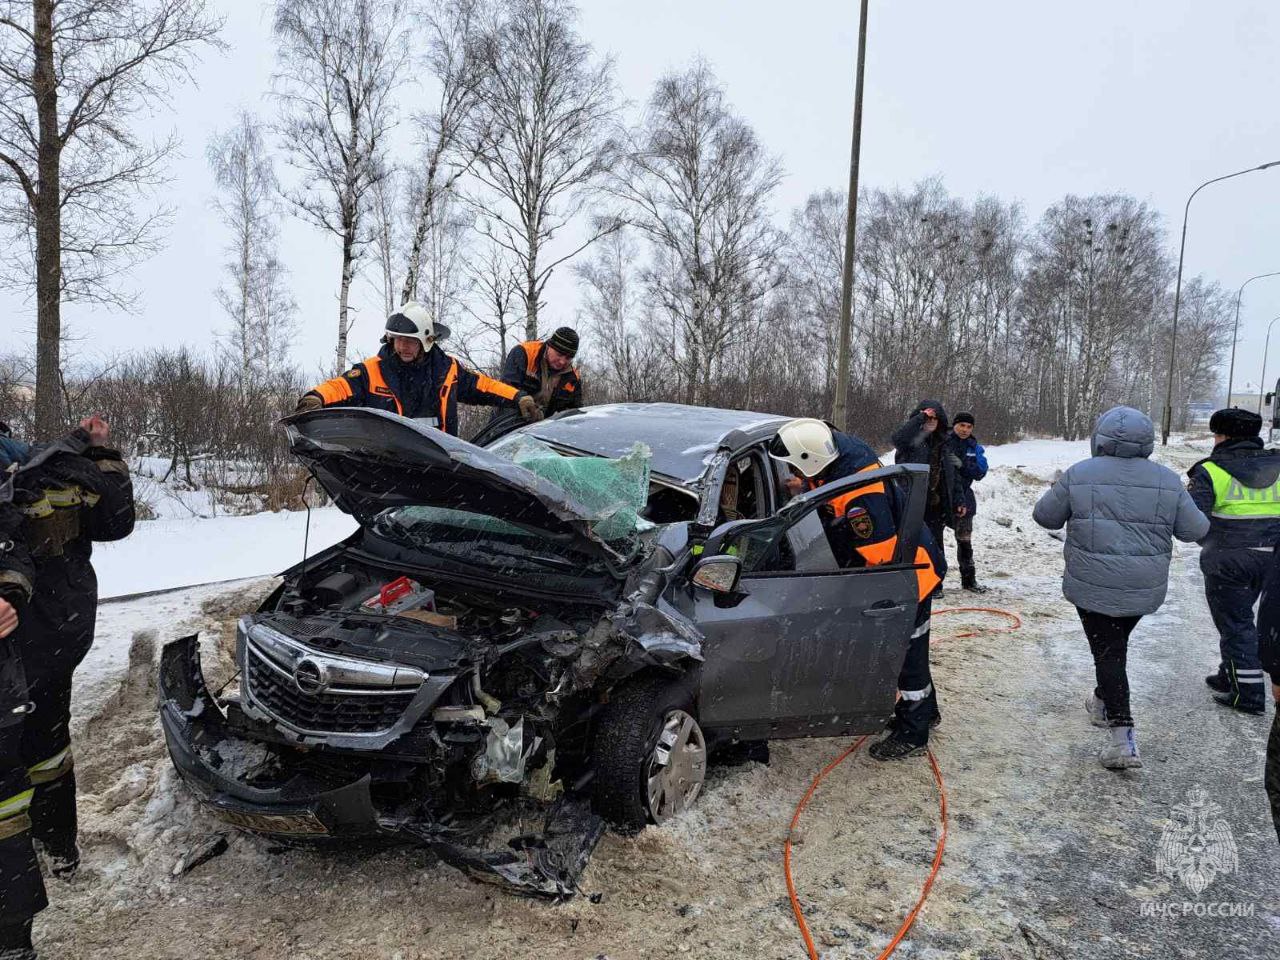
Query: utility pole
839	413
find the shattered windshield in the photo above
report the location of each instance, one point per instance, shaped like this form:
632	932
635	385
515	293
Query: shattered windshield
613	490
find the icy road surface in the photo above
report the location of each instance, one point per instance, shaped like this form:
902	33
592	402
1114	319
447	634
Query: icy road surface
1050	855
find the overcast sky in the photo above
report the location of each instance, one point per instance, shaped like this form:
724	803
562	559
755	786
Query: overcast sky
1027	101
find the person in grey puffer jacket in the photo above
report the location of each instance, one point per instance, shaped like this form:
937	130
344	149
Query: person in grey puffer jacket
1121	511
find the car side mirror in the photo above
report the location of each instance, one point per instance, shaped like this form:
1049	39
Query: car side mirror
718	574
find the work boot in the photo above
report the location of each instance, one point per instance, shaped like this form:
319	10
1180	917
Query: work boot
1097	710
15	942
1218	682
971	584
895	747
893	723
64	862
1122	752
1233	701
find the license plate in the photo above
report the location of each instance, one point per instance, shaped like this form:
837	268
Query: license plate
304	824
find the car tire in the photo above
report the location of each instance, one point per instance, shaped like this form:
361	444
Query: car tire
644	721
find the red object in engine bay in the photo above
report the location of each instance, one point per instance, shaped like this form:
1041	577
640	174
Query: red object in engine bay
402	594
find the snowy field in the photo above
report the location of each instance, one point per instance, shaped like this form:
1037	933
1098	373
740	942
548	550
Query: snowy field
1049	855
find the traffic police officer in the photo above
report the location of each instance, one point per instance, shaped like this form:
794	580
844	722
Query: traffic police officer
863	532
1238	487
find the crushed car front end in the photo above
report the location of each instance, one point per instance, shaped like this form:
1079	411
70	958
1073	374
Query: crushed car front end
431	677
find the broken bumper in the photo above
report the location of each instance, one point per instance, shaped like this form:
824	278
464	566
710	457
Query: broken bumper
197	732
546	866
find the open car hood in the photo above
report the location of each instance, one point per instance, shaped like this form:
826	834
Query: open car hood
370	460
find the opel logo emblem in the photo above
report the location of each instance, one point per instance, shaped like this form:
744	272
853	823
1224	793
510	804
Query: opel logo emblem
310	677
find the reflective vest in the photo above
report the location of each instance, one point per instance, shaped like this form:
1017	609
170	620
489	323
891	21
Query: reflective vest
882	551
1232	500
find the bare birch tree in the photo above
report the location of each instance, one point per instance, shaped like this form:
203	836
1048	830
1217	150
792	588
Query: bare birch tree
340	63
546	106
697	182
73	76
495	289
254	294
454	31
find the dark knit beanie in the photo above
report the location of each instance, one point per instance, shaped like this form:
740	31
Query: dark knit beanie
1236	423
565	340
962	418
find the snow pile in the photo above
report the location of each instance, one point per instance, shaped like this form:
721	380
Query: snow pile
165	554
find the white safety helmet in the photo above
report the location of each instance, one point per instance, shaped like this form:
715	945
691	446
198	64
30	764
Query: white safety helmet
806	444
415	320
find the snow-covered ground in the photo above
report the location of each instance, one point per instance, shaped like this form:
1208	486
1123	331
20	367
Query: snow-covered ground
1049	855
163	554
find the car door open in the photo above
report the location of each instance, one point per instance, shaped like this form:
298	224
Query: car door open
813	636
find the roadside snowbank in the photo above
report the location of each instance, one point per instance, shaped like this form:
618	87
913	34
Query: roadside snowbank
166	554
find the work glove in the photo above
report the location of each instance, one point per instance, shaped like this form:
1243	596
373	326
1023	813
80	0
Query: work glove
529	408
308	401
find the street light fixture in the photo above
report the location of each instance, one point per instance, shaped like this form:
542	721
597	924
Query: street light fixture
1231	373
1177	294
1262	386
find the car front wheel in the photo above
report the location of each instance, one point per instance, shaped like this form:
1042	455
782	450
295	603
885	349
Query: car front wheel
650	753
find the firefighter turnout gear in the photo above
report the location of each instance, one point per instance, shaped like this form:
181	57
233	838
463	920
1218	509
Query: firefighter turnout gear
22	893
862	529
68	501
527	369
429	389
1238	487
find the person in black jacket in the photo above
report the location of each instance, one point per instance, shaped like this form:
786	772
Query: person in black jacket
923	439
544	369
1269	655
22	893
71	494
1238	487
971	464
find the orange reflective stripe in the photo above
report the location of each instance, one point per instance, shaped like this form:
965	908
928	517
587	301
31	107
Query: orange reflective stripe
926	577
333	391
878	553
450	379
490	385
568	387
377	385
531	348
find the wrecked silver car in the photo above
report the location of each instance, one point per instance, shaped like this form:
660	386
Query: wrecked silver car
571	620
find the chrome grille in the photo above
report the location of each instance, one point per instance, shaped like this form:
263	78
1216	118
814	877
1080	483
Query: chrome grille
313	692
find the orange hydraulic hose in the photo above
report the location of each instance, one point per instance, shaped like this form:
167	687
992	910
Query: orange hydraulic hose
849	751
928	884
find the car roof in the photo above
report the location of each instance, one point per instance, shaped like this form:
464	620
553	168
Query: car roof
683	438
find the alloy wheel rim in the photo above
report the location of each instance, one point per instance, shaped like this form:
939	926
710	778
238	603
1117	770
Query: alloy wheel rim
677	766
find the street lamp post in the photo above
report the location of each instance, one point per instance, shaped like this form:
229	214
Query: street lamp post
1177	294
1262	386
1235	330
838	412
